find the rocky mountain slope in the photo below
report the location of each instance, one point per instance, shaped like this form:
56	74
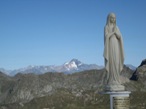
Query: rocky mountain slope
140	71
65	91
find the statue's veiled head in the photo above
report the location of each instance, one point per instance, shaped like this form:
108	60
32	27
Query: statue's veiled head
111	18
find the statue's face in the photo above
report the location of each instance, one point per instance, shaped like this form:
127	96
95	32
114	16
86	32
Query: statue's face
112	18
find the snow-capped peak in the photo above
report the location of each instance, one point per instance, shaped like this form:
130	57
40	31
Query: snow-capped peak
73	64
76	61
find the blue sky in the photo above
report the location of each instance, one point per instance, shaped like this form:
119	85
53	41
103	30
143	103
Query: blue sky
51	32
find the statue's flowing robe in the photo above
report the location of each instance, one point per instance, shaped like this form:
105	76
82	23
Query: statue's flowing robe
113	55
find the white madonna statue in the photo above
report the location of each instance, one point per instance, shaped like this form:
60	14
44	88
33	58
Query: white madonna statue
113	54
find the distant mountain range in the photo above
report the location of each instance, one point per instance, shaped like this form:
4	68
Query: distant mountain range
131	66
68	67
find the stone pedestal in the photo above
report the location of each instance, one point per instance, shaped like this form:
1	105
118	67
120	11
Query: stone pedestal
119	100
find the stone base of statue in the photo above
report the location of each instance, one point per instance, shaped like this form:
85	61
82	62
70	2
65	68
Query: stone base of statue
114	88
119	99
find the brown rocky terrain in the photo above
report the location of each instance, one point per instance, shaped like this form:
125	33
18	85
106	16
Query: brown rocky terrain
67	91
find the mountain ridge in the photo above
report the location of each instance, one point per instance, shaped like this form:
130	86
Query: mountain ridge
69	67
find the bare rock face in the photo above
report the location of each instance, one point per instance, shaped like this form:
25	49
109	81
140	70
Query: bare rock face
143	63
140	71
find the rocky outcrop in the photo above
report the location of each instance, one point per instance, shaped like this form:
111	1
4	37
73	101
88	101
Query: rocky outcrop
140	71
